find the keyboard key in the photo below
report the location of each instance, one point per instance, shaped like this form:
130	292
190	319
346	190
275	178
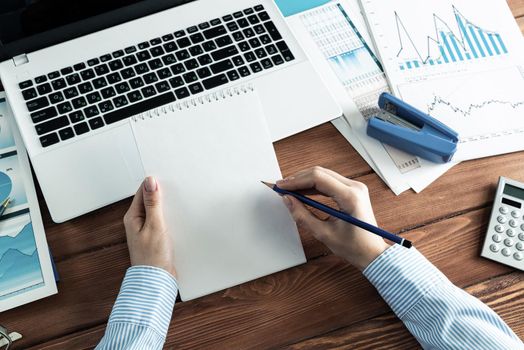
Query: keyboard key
105	58
214	32
244	71
232	26
196	88
73	79
254	43
66	71
271	49
168	37
41	79
223	41
282	46
66	134
243	23
263	16
29	94
116	65
94	97
273	31
164	73
155	64
259	8
44	89
96	123
79	66
238	36
266	63
70	92
176	82
56	97
179	34
203	73
64	108
191	64
127	73
288	56
227	18
108	92
190	77
148	91
215	81
162	86
143	56
150	78
238	14
169	59
85	88
178	69
183	55
87	74
134	96
81	128
224	53
102	69
141	68
244	46
170	46
25	84
53	75
157	51
259	29
91	111
238	60
255	67
51	125
233	75
183	42
197	38
250	57
182	93
76	116
93	62
37	104
221	66
156	41
248	11
44	114
253	19
248	32
204	25
122	88
205	60
261	53
129	60
277	60
192	29
106	106
58	84
120	101
136	83
215	22
49	140
209	46
113	78
196	50
138	108
130	49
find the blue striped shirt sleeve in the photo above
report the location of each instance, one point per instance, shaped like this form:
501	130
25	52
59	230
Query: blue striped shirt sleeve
141	315
439	314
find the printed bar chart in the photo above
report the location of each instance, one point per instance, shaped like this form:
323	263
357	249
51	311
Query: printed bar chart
470	43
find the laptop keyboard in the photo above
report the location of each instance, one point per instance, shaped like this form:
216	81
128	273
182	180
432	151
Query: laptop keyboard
104	90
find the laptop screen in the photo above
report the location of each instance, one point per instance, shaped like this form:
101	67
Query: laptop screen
28	25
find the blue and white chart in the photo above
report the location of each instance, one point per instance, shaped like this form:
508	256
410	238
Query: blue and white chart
26	272
461	62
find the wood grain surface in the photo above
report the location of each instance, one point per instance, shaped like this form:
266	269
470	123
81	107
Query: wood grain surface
324	304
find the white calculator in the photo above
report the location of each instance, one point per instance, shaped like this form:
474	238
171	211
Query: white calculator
504	241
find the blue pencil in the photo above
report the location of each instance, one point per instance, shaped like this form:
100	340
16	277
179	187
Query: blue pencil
342	216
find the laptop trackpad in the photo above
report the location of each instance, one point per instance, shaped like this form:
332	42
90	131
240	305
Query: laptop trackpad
90	173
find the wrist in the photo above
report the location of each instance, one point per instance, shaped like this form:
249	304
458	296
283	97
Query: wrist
367	257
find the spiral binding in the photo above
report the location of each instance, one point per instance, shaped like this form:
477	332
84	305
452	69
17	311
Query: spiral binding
194	102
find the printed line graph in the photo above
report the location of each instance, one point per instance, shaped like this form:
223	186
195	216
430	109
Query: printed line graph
469	110
467	41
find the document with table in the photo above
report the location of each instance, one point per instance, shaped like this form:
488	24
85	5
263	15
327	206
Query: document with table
209	155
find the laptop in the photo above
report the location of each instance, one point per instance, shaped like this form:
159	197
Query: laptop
75	72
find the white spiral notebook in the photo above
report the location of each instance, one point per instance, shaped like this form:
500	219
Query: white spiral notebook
209	156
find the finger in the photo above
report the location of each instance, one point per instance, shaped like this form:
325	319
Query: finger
136	209
316	178
343	179
305	218
152	203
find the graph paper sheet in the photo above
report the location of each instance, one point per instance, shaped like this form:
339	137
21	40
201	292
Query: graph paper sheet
459	61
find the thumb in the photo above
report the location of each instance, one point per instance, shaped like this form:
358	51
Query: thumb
306	219
152	203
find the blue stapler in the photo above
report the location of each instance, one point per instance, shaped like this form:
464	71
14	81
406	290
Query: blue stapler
411	130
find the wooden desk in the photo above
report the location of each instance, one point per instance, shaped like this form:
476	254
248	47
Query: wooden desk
322	304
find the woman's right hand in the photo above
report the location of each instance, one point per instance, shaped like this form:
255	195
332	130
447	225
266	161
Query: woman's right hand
358	246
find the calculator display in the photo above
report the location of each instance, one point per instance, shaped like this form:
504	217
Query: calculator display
514	191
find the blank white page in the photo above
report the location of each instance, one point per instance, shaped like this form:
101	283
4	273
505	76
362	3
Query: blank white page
209	159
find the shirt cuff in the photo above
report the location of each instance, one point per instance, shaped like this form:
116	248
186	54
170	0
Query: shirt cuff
403	276
147	298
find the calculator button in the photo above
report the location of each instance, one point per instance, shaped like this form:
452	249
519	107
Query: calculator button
522	227
506	252
521	236
502	219
513	223
515	213
518	256
508	242
499	228
511	232
494	248
496	238
520	246
504	210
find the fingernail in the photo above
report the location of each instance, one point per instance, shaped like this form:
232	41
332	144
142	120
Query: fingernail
288	202
150	184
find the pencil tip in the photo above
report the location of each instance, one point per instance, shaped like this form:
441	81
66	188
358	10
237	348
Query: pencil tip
270	185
